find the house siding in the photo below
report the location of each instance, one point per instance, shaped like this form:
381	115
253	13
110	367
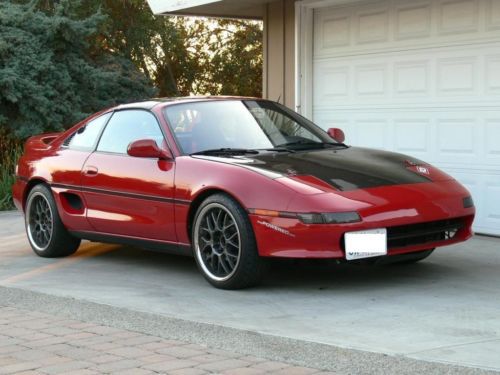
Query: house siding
279	52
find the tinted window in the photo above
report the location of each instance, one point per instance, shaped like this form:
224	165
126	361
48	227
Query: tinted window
85	138
126	127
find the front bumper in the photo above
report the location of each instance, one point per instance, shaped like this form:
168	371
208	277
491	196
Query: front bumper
399	207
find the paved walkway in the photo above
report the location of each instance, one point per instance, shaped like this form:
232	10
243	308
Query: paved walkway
38	343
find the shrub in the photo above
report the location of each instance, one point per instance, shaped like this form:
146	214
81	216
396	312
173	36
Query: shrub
10	150
49	78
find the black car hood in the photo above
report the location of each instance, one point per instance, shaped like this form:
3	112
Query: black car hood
344	169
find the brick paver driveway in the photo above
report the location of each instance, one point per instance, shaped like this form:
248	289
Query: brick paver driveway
38	343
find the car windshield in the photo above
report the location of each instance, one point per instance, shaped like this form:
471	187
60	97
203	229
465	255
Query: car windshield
231	125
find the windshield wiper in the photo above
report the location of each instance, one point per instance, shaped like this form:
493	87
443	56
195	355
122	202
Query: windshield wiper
300	142
226	151
336	144
311	143
279	149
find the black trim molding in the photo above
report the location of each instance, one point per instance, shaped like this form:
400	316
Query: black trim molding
123	194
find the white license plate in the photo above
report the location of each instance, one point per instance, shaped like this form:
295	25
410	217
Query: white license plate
365	243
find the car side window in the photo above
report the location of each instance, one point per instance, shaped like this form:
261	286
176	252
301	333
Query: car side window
129	126
85	138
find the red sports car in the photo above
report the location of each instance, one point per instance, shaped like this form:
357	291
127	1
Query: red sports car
232	181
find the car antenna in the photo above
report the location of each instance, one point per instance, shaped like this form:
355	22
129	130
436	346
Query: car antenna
279	98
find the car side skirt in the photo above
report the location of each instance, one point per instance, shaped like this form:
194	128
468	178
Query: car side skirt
152	245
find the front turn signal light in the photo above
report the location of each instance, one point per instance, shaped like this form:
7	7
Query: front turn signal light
468	202
330	218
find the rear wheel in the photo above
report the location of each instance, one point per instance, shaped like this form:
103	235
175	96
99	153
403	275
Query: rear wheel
46	233
224	244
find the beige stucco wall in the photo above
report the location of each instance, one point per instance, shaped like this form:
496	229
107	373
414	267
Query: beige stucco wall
279	52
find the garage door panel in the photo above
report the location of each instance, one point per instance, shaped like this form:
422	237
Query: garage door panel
435	78
492	141
401	25
411	78
493	15
332	83
371	24
470	137
492	71
466	136
413	21
458	16
457	141
413	137
373	133
371	80
335	30
457	76
492	210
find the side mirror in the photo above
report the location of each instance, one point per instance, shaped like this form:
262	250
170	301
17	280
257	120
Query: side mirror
147	148
336	134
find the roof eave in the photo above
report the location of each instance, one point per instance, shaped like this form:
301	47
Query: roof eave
251	9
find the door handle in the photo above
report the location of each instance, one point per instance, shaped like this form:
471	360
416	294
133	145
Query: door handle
90	171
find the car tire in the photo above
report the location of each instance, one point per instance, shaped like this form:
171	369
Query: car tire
410	258
224	244
47	235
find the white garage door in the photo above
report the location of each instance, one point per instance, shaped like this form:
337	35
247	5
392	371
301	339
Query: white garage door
420	78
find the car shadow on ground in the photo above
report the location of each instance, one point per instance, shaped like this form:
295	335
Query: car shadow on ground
296	274
323	275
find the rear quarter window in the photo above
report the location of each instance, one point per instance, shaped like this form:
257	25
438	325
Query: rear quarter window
85	138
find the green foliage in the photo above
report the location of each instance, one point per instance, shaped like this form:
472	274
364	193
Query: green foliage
10	151
159	46
234	65
184	56
62	60
48	77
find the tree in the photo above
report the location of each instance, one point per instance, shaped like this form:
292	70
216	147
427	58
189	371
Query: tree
234	65
49	79
184	55
63	59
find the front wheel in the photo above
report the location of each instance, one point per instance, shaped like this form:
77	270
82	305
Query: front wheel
46	233
224	244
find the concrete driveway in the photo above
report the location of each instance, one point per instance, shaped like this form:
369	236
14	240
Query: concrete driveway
445	309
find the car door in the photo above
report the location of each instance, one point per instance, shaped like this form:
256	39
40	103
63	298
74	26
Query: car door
125	195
